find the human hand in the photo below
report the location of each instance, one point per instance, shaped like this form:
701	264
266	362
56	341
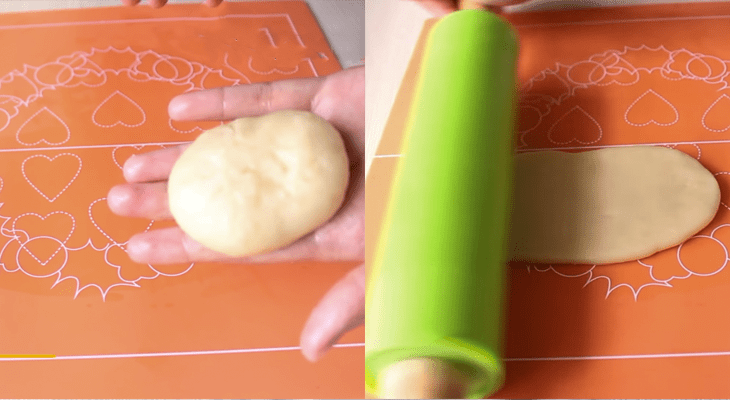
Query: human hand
338	98
160	3
442	7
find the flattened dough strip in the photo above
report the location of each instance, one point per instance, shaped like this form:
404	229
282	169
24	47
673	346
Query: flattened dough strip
609	205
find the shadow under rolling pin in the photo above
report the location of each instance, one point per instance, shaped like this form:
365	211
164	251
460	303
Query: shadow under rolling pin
435	295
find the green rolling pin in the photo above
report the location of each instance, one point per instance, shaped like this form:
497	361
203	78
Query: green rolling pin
436	291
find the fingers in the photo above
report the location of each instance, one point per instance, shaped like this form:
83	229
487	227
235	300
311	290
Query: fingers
339	311
143	200
345	87
439	8
500	3
157	3
160	3
152	166
168	246
245	100
492	5
172	246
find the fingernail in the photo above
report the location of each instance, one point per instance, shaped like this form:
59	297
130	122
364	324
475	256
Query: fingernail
177	108
117	197
311	357
131	168
138	249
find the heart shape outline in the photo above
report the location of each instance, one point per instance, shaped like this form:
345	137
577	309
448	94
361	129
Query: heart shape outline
78	170
43	140
652	120
723	97
62	243
23	246
574	139
103	232
118	121
135	147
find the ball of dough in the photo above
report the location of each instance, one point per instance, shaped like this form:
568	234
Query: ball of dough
258	184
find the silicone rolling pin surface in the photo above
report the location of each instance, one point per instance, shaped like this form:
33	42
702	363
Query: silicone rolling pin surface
437	281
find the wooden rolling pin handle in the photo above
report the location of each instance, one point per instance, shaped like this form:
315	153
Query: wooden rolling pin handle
422	378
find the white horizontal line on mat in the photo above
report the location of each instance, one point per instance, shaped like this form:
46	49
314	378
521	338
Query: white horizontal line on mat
93	146
622	357
624	21
176	353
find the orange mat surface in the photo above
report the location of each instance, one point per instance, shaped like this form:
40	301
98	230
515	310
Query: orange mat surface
82	90
589	79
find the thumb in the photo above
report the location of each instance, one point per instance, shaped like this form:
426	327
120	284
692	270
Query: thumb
439	8
489	3
339	311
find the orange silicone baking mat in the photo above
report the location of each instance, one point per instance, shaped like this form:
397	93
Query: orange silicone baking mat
656	327
82	90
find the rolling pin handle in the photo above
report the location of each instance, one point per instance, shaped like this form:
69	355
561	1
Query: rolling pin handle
423	378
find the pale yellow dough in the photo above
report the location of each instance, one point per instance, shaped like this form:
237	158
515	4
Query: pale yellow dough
609	205
260	183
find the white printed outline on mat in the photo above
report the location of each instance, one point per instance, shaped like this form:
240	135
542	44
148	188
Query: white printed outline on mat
78	171
17	134
271	71
178	353
699	151
87	73
721	79
43	218
652	121
136	147
169	19
23	247
99	146
112	241
268	36
722	203
80	288
593	275
118	121
622	21
236	70
571	111
67	251
157	271
14	238
621	356
709	109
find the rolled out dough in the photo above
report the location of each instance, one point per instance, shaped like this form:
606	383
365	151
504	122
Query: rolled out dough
610	205
258	184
